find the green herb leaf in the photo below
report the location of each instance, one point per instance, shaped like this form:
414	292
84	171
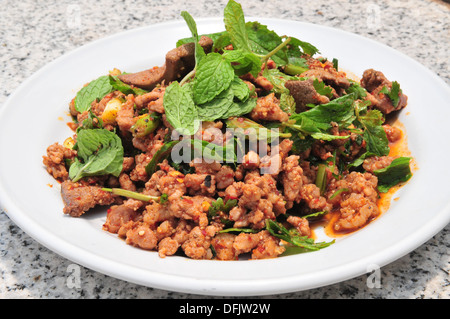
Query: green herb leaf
374	133
214	75
260	132
322	89
95	90
220	206
398	172
211	151
293	237
99	152
243	62
315	215
124	88
213	36
356	89
336	64
159	156
262	41
339	110
240	108
235	25
240	89
393	94
287	103
199	52
321	178
134	195
180	108
299	62
216	108
278	80
239	230
306	47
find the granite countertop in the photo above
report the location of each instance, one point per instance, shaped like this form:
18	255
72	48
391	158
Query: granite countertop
33	33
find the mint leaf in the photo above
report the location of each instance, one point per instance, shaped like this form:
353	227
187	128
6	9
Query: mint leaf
235	25
95	90
240	108
234	101
278	80
180	109
397	172
214	75
99	152
240	89
212	36
216	108
199	52
306	47
262	41
243	62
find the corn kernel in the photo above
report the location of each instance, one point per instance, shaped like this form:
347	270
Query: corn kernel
205	206
115	72
69	143
174	173
109	115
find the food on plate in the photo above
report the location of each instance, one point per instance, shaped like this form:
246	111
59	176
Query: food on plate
235	147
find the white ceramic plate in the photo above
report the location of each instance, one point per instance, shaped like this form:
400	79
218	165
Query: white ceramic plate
31	120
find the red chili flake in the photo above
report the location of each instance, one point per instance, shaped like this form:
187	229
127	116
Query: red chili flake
228	197
329	174
241	119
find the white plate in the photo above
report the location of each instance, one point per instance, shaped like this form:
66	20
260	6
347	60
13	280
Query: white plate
29	123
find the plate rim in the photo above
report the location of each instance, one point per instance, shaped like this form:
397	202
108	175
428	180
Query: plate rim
209	286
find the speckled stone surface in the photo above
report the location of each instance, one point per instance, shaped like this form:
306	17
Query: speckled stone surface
33	33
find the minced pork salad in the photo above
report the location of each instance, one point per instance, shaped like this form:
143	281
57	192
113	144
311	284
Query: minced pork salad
234	148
